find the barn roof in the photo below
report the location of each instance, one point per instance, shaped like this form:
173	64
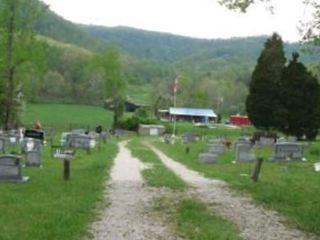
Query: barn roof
199	112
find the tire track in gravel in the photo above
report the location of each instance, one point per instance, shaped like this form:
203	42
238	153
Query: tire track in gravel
254	222
127	217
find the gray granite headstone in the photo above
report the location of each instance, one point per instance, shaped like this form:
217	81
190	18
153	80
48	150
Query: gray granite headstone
2	144
288	151
190	137
33	159
10	168
208	158
266	142
243	153
32	150
216	148
80	141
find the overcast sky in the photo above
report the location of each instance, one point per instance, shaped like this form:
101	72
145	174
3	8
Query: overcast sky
195	18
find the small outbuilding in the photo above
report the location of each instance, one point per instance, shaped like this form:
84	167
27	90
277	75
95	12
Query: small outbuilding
151	130
239	120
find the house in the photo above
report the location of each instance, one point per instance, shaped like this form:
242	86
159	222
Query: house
198	115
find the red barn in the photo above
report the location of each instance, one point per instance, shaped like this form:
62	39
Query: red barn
239	120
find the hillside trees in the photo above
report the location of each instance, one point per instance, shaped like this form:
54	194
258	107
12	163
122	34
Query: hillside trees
17	49
300	97
263	102
114	83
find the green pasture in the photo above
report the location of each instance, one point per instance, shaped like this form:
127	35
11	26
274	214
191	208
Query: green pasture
65	116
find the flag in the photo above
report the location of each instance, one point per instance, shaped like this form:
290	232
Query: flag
175	85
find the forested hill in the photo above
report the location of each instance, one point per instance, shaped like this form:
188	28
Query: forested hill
209	69
150	45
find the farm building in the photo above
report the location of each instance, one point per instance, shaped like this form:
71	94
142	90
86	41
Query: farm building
197	115
239	120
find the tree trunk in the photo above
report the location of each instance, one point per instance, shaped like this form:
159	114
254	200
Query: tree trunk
10	70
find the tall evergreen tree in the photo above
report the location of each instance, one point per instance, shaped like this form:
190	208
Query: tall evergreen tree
263	104
300	94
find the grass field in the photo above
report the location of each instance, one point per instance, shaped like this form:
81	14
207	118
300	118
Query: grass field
46	207
293	189
64	116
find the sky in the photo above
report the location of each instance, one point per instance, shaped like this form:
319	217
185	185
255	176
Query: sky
194	18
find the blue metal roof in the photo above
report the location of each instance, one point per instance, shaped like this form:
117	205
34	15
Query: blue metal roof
192	112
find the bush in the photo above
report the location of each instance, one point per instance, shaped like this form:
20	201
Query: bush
132	123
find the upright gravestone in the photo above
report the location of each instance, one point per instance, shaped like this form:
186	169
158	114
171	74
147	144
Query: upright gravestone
10	169
292	139
266	142
216	148
243	153
80	141
190	137
288	151
3	144
32	150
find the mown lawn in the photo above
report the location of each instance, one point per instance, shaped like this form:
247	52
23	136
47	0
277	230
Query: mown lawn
46	207
293	189
65	116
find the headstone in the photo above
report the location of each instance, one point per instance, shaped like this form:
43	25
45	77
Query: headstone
167	138
79	131
80	141
265	142
242	140
208	158
103	136
243	153
32	150
34	134
190	137
10	168
288	151
216	148
33	159
2	144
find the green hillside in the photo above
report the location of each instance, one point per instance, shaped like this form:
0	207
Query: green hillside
208	69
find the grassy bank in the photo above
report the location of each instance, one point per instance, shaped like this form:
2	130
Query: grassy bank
46	207
291	188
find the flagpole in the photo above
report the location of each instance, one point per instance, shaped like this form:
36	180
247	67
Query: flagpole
175	89
174	118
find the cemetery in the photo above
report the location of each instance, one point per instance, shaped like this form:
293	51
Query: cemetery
207	130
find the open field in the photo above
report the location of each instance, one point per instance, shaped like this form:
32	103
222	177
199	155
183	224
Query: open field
291	188
64	116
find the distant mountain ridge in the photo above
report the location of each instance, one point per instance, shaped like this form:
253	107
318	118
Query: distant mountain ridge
151	45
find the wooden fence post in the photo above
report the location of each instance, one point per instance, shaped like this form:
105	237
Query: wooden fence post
256	170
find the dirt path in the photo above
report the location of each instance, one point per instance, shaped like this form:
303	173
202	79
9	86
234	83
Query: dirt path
127	218
254	222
